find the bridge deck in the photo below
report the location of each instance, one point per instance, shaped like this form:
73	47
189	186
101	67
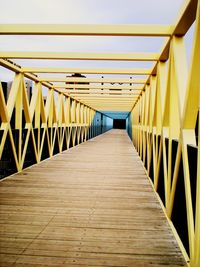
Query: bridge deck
89	206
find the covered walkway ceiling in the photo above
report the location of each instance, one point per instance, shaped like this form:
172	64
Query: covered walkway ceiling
119	90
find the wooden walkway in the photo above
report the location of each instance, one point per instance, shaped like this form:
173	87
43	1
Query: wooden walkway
89	206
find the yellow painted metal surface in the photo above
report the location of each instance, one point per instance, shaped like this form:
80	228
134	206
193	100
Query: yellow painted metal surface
38	115
172	115
96	30
109	87
164	105
95	80
119	71
81	56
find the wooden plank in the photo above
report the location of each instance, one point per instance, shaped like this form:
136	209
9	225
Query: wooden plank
66	212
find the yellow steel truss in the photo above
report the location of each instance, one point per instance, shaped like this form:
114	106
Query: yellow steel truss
62	119
168	108
163	107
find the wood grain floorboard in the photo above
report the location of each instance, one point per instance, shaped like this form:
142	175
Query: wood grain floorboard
91	205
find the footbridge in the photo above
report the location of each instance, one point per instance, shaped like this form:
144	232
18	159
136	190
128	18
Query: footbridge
101	166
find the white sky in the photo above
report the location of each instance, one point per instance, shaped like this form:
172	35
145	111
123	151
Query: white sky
86	12
89	11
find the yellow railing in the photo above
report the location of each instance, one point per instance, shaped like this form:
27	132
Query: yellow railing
166	134
55	119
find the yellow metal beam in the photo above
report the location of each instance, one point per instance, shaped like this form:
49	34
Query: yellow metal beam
110	104
110	87
182	23
185	17
81	56
114	108
108	95
94	80
107	103
17	69
118	109
127	71
108	100
90	92
91	30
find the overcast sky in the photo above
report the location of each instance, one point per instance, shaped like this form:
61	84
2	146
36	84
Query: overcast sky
86	12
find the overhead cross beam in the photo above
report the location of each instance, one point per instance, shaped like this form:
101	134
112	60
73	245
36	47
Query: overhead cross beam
81	56
84	92
86	30
183	22
125	96
110	102
17	69
94	80
110	87
119	71
185	18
